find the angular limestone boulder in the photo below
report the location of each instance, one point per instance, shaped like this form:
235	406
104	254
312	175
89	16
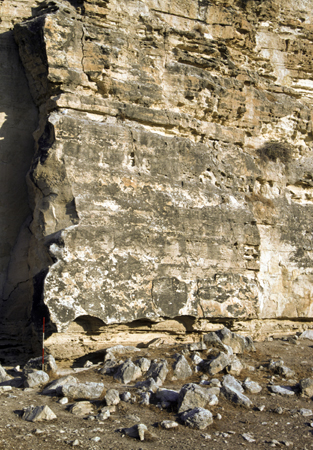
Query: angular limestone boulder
127	372
55	388
38	414
192	396
83	391
198	418
36	378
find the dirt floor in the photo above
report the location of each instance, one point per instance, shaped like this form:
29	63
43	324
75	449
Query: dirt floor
267	428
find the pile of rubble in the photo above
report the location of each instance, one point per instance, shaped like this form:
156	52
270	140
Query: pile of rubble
141	379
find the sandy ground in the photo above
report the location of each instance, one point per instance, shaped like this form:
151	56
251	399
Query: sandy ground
267	427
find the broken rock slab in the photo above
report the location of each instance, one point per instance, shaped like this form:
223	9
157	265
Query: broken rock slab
282	390
192	396
84	391
148	385
252	387
83	408
158	371
3	375
306	387
238	343
167	395
181	368
198	418
127	372
112	397
236	396
38	414
217	365
50	366
55	388
280	368
36	378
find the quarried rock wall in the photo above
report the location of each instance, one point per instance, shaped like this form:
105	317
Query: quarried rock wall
173	168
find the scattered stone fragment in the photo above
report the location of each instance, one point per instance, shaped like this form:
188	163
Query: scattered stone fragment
147	385
286	391
287	443
104	414
38	414
96	439
181	368
251	387
231	382
191	396
50	366
122	349
127	372
112	397
125	396
86	391
280	368
219	416
198	418
238	343
197	346
236	397
158	371
76	442
168	424
83	408
143	364
196	359
235	367
305	412
5	388
145	398
137	431
217	365
279	410
54	388
3	375
306	387
261	408
63	400
35	378
308	334
248	437
109	367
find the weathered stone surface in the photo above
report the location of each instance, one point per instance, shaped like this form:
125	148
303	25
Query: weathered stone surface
127	372
158	371
280	368
282	390
181	368
83	408
38	414
170	179
49	366
191	396
236	396
237	342
3	375
112	397
217	365
54	388
85	391
235	367
198	418
252	387
147	385
36	378
306	387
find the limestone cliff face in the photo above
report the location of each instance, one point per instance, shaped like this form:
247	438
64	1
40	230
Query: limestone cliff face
173	171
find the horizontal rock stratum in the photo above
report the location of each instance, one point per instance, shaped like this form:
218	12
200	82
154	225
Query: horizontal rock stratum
172	175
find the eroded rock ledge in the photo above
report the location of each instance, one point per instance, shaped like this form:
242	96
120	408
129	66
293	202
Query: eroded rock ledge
173	167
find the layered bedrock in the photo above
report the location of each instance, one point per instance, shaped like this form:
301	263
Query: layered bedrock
173	173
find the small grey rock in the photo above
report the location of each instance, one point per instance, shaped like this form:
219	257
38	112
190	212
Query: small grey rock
198	418
112	397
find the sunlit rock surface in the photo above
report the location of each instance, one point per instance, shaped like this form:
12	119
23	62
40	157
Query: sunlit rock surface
172	174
